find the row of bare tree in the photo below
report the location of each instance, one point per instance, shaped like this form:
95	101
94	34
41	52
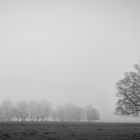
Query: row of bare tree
43	111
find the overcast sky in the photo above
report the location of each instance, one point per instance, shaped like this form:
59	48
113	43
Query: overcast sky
68	51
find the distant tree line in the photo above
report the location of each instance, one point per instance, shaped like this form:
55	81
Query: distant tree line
44	111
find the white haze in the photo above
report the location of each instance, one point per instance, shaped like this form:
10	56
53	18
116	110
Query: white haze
68	51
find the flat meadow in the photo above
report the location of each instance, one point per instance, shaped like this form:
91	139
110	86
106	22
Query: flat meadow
69	131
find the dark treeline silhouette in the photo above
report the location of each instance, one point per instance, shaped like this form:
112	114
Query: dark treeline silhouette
44	111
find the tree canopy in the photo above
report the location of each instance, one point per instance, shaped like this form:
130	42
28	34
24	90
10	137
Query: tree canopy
128	92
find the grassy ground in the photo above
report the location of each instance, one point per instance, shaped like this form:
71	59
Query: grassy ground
69	131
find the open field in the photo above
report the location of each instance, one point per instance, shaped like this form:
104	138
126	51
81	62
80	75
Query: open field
69	131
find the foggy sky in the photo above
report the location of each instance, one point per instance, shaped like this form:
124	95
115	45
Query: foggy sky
68	51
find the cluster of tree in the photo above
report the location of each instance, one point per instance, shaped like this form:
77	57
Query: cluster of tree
128	91
43	111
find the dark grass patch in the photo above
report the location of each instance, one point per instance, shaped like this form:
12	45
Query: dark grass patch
69	131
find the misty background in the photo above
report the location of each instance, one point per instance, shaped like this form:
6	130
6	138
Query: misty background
68	51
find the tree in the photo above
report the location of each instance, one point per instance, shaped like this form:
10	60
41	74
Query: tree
6	108
67	112
92	114
54	114
22	110
16	114
34	111
72	112
44	110
128	92
2	115
60	113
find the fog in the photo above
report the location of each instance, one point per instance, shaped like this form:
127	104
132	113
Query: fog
68	51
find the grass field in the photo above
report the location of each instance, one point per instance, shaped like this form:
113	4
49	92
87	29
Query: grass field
69	131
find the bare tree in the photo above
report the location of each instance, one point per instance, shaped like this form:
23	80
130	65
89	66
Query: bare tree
128	91
72	112
6	108
67	112
16	113
44	110
34	111
23	110
54	114
60	113
92	114
2	115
